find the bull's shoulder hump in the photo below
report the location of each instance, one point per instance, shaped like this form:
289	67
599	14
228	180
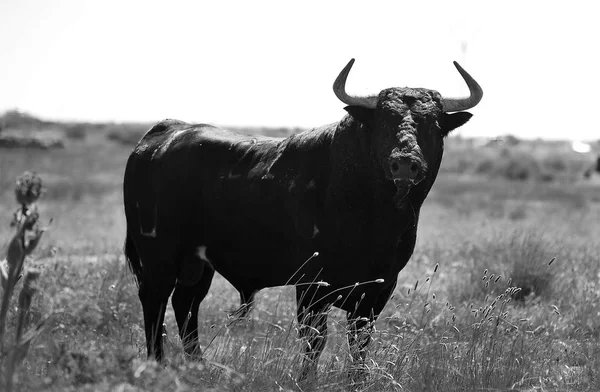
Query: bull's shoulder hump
161	135
178	135
167	127
226	135
164	126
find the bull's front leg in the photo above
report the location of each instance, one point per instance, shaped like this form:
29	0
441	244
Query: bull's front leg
312	319
360	329
359	336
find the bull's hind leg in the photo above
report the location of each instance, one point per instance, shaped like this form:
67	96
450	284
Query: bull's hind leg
186	301
155	288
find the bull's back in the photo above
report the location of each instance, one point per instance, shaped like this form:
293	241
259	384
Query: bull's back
202	174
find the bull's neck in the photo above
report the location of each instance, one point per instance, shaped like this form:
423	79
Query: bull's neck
304	157
353	160
355	168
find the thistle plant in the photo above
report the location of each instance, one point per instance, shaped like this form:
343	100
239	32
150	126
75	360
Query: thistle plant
28	233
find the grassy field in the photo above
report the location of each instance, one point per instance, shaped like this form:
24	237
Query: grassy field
502	292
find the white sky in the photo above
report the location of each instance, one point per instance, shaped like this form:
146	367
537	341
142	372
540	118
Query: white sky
272	63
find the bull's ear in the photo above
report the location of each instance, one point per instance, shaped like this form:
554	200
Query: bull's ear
449	122
361	114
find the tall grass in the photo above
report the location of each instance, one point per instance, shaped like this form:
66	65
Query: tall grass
460	328
426	340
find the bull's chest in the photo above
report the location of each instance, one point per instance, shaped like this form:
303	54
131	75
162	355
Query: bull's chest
367	252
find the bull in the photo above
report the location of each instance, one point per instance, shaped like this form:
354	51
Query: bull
332	210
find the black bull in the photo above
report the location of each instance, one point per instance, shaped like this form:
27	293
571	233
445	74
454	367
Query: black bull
332	210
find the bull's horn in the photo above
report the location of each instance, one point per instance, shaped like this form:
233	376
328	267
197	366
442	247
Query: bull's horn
339	88
459	104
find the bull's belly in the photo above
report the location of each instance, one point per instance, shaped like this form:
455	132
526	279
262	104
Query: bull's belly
256	267
253	267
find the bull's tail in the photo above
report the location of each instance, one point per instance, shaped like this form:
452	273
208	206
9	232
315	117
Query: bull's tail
133	259
138	197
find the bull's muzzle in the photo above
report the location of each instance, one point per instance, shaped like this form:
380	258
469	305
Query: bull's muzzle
405	171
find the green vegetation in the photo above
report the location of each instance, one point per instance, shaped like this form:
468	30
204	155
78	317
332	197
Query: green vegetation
502	292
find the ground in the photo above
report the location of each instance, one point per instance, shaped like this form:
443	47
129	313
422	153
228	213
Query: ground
499	219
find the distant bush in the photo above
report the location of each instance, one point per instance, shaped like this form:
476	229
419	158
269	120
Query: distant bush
75	131
127	134
555	163
485	167
30	141
522	161
521	167
516	167
16	119
22	130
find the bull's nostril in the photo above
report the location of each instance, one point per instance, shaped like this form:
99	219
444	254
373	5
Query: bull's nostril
395	167
414	168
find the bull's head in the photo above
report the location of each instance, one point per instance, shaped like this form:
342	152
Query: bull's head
408	126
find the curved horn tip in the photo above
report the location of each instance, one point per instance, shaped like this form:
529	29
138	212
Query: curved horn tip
460	69
349	65
339	88
460	104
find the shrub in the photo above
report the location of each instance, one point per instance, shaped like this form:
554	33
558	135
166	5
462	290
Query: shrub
16	119
26	238
75	131
555	164
521	259
520	167
485	166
